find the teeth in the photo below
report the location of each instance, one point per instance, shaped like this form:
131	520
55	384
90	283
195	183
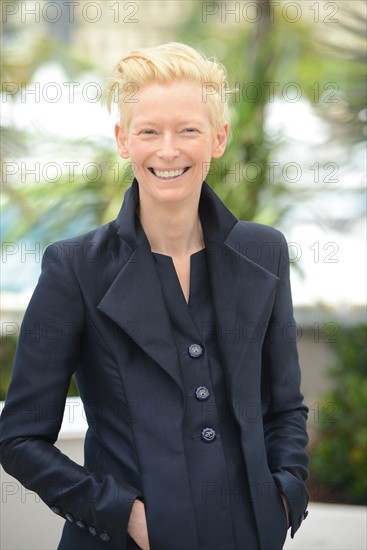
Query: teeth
168	173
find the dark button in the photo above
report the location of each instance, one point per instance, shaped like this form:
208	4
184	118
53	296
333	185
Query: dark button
304	515
202	393
208	435
69	517
80	524
195	350
105	537
92	530
56	509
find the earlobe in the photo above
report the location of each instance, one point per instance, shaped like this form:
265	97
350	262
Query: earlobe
121	141
221	140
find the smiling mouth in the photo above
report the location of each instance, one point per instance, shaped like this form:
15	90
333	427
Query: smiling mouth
169	174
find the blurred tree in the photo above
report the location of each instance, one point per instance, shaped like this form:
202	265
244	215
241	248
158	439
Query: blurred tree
23	53
339	452
50	209
261	59
347	54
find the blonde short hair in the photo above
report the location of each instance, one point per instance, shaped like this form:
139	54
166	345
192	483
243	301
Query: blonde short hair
165	63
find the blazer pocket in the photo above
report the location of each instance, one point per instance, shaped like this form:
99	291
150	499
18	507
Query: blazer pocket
131	544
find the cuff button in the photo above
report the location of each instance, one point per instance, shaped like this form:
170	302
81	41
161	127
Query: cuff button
105	537
80	524
56	510
69	517
92	530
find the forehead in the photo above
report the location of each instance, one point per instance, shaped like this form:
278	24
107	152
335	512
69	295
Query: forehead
172	101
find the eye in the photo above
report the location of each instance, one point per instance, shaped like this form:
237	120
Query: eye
147	132
190	130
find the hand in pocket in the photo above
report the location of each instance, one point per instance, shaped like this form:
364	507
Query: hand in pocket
286	506
137	526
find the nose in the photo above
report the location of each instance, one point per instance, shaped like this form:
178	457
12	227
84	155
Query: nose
168	147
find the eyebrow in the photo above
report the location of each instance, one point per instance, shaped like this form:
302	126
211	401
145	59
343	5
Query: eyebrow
148	122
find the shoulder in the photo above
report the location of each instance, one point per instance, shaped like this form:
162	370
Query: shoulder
251	232
91	260
91	246
261	244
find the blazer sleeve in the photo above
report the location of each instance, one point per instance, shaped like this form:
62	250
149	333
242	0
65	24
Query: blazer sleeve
284	414
46	358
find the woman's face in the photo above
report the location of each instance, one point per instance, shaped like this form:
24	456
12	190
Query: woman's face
170	141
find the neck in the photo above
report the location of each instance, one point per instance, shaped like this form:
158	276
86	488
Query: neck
173	230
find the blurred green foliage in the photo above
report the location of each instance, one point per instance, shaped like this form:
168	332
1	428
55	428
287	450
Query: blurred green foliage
338	456
277	52
7	352
261	61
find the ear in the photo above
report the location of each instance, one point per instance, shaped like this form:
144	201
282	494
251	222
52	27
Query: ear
220	140
121	141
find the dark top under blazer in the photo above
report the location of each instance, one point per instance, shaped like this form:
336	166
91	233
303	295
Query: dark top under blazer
98	310
219	487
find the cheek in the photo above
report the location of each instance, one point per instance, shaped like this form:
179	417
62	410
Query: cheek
141	149
136	152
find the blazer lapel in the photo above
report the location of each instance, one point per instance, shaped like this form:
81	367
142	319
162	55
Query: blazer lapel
135	301
241	288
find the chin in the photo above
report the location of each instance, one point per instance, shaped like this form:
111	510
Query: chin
171	197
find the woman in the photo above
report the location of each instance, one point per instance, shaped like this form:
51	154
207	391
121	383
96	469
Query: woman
183	348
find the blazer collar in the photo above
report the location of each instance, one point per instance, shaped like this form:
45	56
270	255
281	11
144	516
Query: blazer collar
240	288
216	219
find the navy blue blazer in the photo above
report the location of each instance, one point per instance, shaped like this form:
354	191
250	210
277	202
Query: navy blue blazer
98	311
